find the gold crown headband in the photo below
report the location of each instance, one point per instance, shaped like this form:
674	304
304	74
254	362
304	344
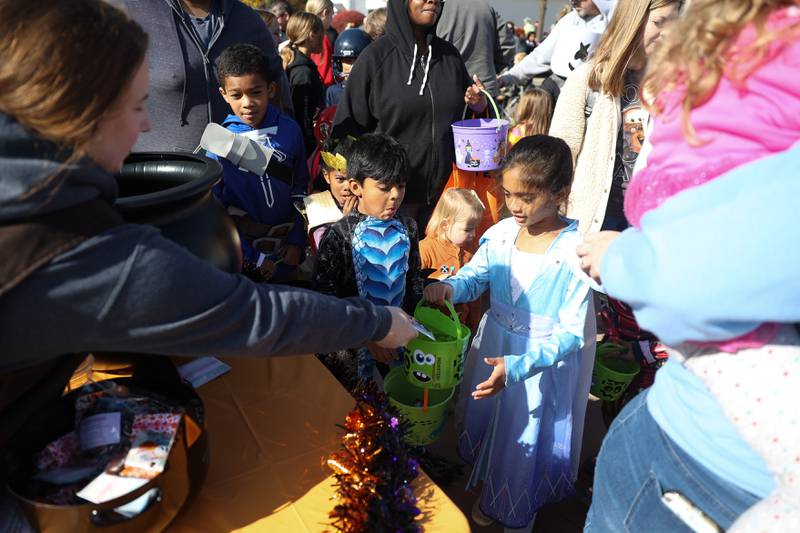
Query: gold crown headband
335	162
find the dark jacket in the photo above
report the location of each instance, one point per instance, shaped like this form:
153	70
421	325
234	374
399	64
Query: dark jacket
129	289
417	110
308	95
184	91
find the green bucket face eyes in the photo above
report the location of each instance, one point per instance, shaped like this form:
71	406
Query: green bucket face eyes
421	358
420	365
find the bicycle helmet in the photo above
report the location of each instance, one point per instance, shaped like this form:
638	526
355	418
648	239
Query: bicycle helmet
349	44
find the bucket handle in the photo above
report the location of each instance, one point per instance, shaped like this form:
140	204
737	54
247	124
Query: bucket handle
453	315
491	101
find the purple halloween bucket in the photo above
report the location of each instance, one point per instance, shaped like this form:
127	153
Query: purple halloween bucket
480	143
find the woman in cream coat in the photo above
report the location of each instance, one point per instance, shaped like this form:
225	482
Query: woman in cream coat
600	116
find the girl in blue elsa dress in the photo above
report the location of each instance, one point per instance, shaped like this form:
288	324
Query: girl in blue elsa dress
528	373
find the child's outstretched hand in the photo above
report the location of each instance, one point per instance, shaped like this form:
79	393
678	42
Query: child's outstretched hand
495	383
437	293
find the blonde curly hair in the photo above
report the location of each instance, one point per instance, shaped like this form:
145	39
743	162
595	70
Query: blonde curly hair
702	48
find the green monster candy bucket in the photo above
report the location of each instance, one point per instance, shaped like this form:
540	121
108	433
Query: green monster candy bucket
612	375
426	424
437	364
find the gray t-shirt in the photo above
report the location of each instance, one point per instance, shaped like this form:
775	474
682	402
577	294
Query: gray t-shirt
205	27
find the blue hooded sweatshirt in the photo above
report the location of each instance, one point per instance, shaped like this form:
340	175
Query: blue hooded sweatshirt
130	289
268	200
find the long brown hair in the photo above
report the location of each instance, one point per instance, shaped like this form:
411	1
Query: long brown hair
534	111
298	30
620	42
63	65
701	49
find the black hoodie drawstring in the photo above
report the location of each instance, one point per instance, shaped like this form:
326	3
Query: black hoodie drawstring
427	68
414	64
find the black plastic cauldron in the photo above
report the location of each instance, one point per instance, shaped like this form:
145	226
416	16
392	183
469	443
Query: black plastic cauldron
172	191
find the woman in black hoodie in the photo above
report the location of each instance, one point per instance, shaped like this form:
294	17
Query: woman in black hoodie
411	85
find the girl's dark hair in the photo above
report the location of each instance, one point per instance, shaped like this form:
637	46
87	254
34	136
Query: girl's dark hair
333	146
63	65
338	146
377	156
544	163
242	59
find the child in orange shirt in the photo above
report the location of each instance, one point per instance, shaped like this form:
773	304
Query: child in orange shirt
449	242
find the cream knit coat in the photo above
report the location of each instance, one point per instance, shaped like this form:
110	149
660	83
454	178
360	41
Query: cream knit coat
593	142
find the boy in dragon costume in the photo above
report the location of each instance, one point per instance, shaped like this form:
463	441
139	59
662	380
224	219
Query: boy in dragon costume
372	252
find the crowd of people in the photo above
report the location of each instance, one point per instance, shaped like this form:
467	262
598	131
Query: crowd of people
645	177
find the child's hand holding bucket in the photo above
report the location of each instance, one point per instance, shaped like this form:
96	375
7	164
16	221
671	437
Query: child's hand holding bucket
496	381
438	293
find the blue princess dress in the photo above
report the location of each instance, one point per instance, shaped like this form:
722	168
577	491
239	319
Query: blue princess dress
524	442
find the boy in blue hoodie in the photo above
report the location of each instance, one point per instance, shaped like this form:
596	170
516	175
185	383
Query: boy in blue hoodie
271	229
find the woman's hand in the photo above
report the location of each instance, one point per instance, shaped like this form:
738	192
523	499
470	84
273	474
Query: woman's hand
474	97
495	383
350	203
437	293
401	331
593	249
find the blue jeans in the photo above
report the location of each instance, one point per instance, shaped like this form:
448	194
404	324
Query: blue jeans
638	462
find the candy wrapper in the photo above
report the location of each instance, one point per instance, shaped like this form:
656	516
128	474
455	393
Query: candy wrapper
59	453
152	440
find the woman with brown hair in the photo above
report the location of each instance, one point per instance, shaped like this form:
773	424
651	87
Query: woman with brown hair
306	33
75	277
324	58
600	116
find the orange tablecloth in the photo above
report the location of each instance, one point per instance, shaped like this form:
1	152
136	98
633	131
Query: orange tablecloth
271	422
